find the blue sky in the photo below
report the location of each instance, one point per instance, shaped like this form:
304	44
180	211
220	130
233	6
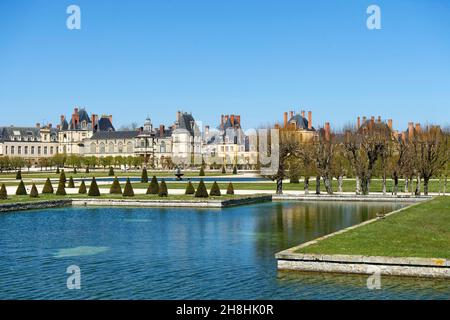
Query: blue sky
253	58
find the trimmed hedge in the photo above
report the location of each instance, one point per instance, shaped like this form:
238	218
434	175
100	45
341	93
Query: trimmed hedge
82	188
19	175
62	176
128	190
189	188
153	188
48	188
201	190
71	184
215	190
34	192
163	189
87	169
202	172
3	192
144	176
21	191
61	191
115	187
230	189
223	170
57	170
93	189
111	172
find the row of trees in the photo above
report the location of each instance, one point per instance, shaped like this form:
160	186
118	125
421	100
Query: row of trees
372	150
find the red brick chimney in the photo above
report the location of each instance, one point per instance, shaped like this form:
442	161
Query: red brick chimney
161	130
285	119
221	121
410	130
327	131
390	124
358	125
379	119
309	120
418	127
238	120
232	120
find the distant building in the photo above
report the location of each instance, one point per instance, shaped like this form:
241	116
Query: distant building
298	122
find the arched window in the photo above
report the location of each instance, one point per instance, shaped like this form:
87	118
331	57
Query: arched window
120	147
102	148
93	147
162	147
129	147
111	147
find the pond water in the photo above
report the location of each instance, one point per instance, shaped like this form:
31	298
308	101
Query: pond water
135	253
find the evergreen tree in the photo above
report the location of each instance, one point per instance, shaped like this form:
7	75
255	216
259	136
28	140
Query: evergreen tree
115	187
235	169
34	192
87	169
201	190
153	188
230	189
163	189
202	172
144	176
75	170
128	190
215	190
21	191
223	170
111	172
93	189
71	184
82	188
57	170
62	176
48	188
19	175
61	190
190	188
3	192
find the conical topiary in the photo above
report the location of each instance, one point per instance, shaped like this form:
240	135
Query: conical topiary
61	190
19	175
75	170
87	169
223	170
71	184
128	190
230	189
215	190
201	190
115	187
82	188
153	188
34	192
48	188
111	172
62	176
202	172
235	169
93	189
163	189
57	170
190	188
144	176
3	192
21	191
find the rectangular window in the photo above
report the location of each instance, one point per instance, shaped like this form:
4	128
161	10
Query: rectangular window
45	150
32	150
39	150
19	150
26	149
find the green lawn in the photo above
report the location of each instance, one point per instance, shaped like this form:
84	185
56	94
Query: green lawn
422	230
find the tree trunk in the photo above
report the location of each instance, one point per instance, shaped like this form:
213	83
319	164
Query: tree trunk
328	186
445	185
425	185
365	186
384	185
406	185
340	183
358	186
318	185
417	192
306	185
395	185
280	186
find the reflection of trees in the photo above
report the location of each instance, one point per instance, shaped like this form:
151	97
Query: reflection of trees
286	224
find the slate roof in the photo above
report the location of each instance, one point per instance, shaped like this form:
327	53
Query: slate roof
104	124
23	133
302	123
111	135
187	122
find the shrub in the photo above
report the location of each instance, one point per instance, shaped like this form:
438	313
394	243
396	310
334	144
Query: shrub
144	176
62	176
223	170
202	172
93	189
71	184
21	191
19	175
34	192
82	188
235	169
201	190
215	190
74	170
48	188
87	169
230	189
57	170
128	190
111	172
153	188
163	189
3	192
115	187
294	179
190	188
61	191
